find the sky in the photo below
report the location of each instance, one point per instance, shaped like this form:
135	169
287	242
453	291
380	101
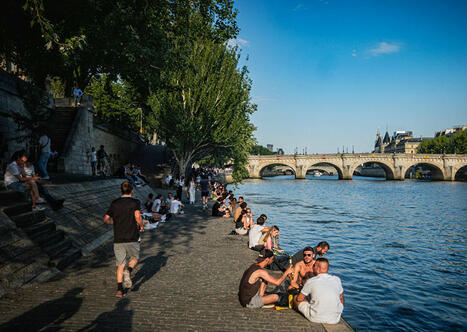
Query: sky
328	73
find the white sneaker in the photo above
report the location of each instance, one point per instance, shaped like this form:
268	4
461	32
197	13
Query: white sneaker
46	178
37	208
40	200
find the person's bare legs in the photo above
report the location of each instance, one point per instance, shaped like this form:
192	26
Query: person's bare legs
133	263
120	269
31	192
267	299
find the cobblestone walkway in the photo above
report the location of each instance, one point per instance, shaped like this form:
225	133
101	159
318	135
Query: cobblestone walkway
187	280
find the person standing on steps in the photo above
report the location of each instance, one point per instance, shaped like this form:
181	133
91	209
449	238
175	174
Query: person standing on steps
124	214
44	145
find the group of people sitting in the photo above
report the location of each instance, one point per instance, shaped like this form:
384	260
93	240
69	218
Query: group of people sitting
132	173
304	284
160	210
20	176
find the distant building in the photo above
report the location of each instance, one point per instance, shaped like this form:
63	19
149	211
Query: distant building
402	141
450	131
270	147
280	152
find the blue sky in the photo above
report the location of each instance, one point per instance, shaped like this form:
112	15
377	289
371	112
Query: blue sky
329	73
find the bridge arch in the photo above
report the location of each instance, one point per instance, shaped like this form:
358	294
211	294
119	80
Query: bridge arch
461	173
316	165
437	172
386	166
277	163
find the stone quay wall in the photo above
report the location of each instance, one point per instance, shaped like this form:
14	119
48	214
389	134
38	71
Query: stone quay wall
11	102
89	131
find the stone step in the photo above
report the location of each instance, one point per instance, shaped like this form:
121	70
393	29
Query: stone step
10	197
54	251
40	228
28	218
68	257
50	238
18	209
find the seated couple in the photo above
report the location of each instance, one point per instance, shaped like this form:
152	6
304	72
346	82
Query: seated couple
21	177
219	208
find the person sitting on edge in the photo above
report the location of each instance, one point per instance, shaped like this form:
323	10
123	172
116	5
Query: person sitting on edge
176	207
254	282
241	206
218	209
302	268
30	173
149	202
255	233
321	249
16	181
326	294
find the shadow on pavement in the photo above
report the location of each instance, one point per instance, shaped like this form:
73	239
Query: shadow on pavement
150	266
48	315
119	319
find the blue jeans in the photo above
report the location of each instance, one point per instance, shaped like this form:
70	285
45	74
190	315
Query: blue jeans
129	178
42	163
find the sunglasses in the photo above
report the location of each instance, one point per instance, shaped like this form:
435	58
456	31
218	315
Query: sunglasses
308	255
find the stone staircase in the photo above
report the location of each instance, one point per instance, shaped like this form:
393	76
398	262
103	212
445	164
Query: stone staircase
59	129
41	231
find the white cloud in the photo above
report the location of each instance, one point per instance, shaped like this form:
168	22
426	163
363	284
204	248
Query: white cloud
384	48
354	52
298	7
239	42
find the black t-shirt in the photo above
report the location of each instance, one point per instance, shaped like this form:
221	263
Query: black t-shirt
204	184
215	209
122	210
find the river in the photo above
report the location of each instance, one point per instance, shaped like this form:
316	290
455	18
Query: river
398	247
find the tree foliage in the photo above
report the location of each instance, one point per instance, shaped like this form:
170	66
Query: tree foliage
115	100
260	150
206	110
457	143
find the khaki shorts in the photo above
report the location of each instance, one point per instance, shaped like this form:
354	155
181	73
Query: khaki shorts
125	252
255	302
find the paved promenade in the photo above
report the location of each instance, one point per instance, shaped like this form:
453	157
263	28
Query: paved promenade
187	280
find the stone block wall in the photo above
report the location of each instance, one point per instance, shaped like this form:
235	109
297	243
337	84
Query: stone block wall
11	102
120	144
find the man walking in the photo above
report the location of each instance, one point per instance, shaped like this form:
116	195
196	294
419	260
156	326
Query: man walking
125	215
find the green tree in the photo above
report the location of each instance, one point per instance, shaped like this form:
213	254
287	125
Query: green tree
206	110
457	143
115	100
260	150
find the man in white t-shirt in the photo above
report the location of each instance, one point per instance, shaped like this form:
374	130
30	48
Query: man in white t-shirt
326	296
44	144
176	206
255	233
156	206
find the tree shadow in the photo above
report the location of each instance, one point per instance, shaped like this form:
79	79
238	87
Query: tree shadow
150	266
48	315
119	319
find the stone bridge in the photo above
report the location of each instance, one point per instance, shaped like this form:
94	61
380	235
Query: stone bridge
442	167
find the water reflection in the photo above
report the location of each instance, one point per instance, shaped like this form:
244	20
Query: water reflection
399	247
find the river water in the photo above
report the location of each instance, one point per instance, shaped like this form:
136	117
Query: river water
398	247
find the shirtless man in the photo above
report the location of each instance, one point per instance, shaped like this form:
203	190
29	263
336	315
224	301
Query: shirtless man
303	269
